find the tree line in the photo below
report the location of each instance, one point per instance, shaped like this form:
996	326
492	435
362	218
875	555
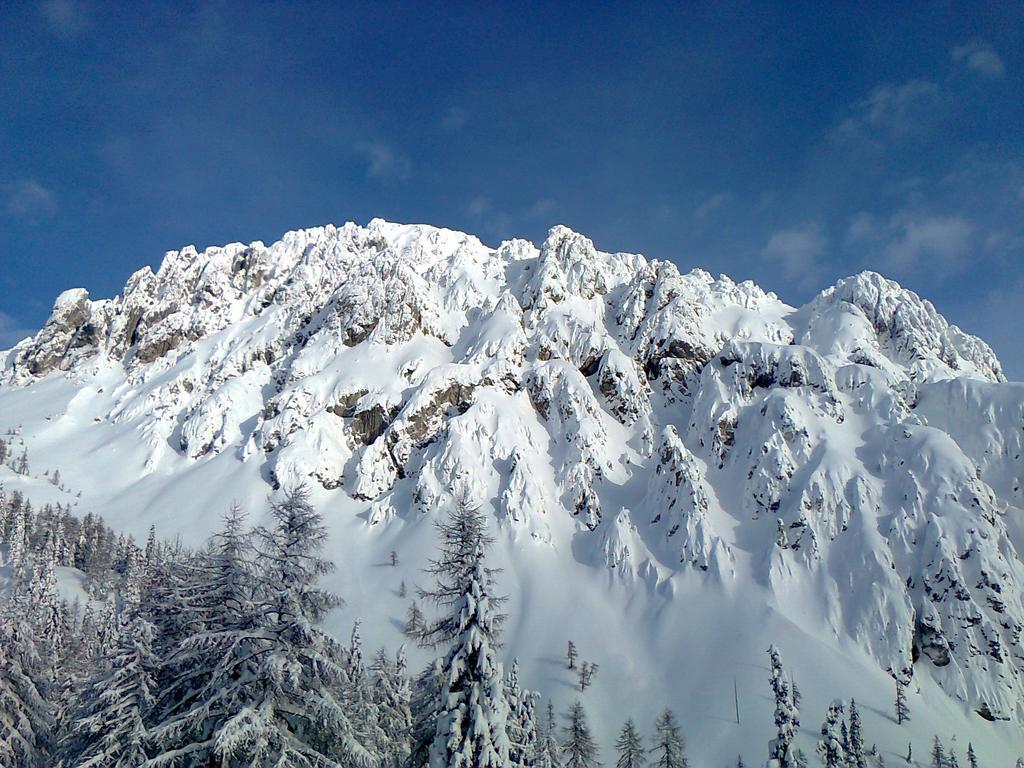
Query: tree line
216	657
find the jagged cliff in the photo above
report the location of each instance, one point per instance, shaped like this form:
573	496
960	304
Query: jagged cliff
859	448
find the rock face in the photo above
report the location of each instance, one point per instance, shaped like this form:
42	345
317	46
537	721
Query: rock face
674	423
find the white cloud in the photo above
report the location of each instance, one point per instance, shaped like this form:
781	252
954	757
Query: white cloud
891	112
911	242
66	18
936	243
383	162
980	57
863	228
711	205
797	251
29	200
478	206
663	213
11	332
542	208
455	119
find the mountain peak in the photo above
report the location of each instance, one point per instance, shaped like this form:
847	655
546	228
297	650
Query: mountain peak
672	429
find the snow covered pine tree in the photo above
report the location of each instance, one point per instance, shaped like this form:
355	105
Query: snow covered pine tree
111	731
630	748
830	746
271	689
26	720
473	720
669	748
522	723
579	748
787	718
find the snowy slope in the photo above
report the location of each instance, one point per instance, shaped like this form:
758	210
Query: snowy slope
683	468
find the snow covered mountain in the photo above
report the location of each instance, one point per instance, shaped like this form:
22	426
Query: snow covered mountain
679	465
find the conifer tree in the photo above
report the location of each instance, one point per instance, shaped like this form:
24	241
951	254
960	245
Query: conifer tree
110	730
26	719
669	747
134	575
472	724
902	712
298	717
149	554
78	660
391	700
787	717
17	542
21	467
522	723
972	759
5	509
630	748
830	746
358	693
578	747
938	755
548	752
425	706
414	622
211	668
88	635
108	627
275	689
48	613
856	738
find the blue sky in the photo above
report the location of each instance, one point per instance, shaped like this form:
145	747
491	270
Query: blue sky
790	143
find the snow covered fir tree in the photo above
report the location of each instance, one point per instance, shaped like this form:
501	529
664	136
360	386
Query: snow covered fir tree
386	497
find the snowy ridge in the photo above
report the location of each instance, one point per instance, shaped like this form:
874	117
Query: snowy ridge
859	458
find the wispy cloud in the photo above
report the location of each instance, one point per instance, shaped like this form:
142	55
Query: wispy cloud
455	119
891	112
66	18
383	162
712	204
798	251
929	242
478	206
980	57
11	332
29	200
912	242
542	208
